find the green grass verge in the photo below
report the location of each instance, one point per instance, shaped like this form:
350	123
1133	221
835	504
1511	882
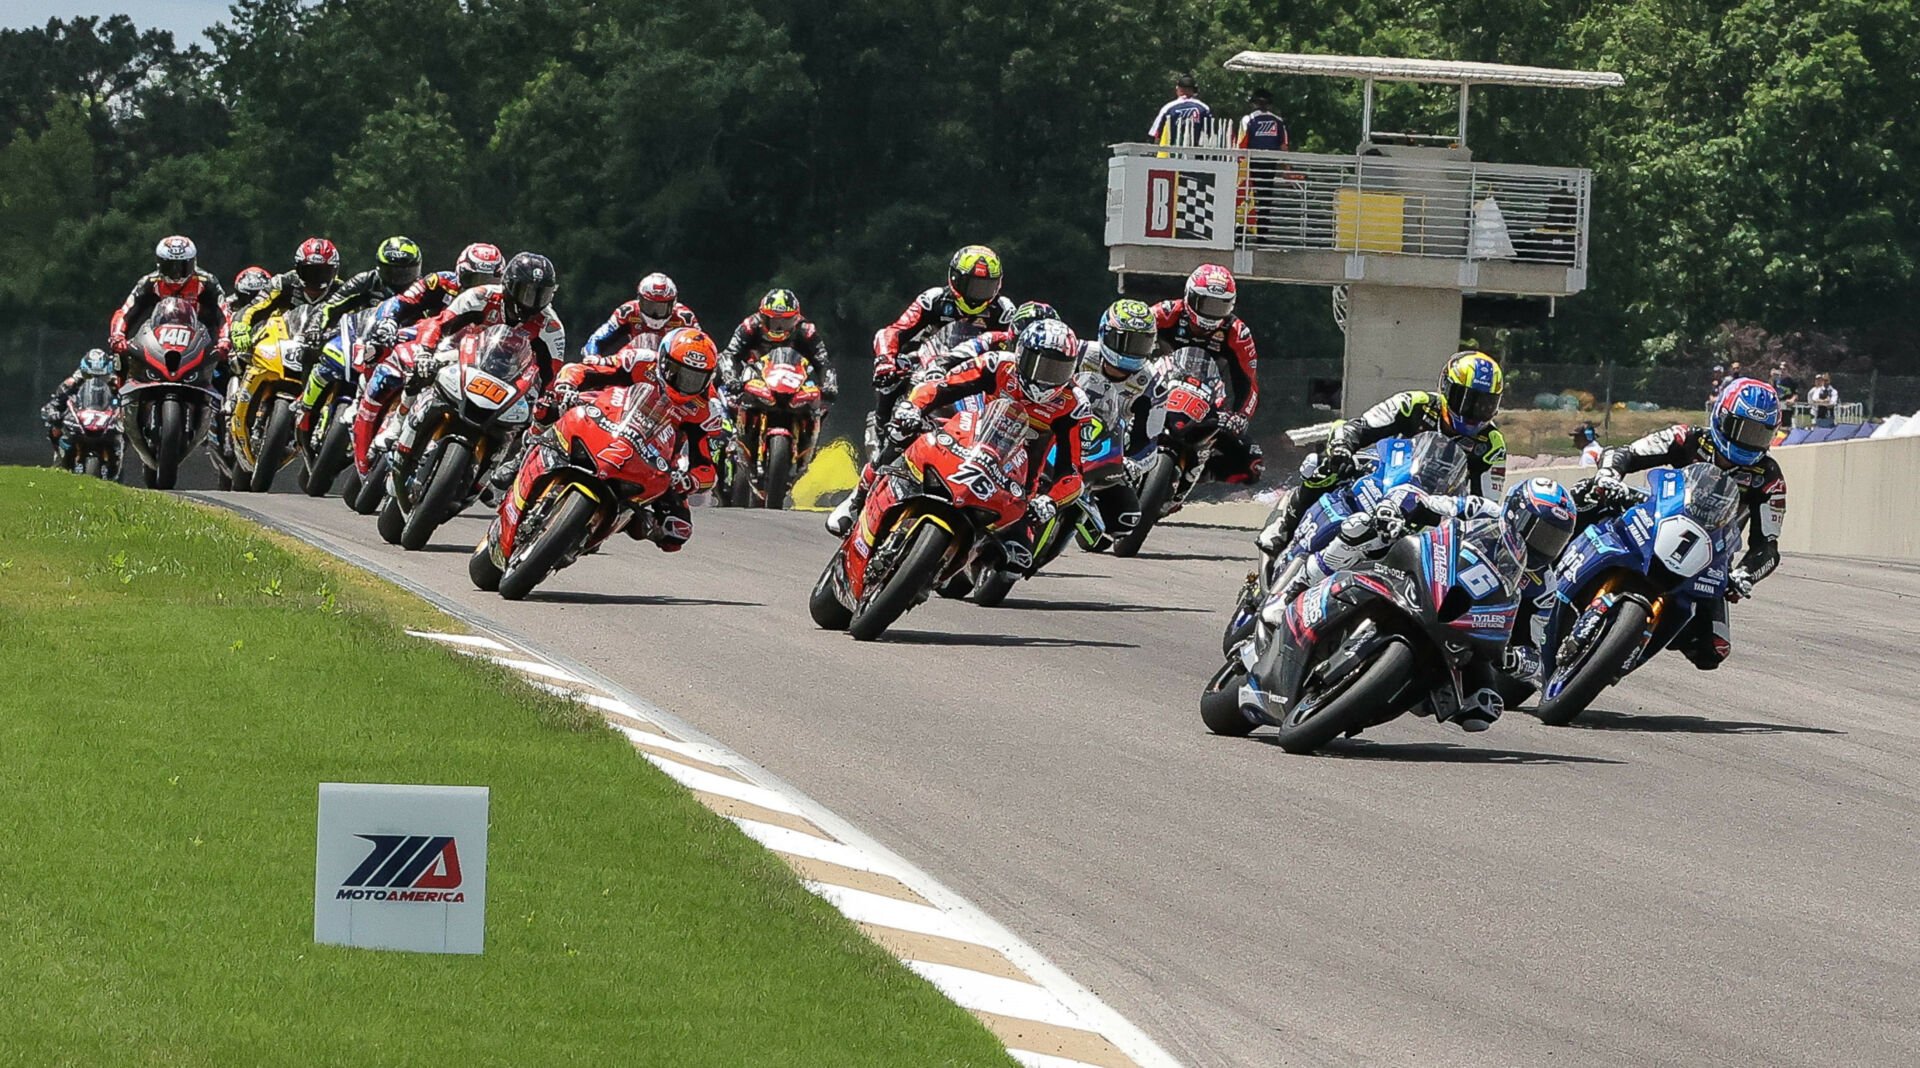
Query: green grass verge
178	681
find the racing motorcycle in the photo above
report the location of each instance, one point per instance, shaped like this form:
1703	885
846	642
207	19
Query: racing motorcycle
583	481
1427	462
1630	583
326	446
1367	645
927	361
455	431
261	425
778	422
1187	400
90	432
928	518
168	408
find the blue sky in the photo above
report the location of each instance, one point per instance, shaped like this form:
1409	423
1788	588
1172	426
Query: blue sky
186	18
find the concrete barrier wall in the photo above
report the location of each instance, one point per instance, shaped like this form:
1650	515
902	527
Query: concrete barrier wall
1847	498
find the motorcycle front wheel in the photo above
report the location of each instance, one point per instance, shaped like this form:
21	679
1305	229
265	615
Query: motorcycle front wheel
452	477
918	568
1156	489
274	444
336	448
563	533
1355	705
1220	702
779	470
1620	635
171	444
92	468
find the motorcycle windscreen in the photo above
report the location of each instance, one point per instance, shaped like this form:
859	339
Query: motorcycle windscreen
953	334
503	352
999	440
1712	496
1439	464
94	394
1194	362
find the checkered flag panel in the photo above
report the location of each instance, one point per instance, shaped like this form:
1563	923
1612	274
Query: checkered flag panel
1194	210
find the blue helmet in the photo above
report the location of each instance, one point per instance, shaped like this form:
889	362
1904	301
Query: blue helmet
96	363
1538	518
1742	419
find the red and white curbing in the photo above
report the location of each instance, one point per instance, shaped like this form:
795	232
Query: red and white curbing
1045	1018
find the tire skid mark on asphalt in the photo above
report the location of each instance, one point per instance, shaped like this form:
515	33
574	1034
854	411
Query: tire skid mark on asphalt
950	945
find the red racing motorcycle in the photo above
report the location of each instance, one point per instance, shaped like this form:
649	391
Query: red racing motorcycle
780	409
582	481
928	518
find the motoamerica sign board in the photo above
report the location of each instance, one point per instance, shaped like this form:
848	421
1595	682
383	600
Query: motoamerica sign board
401	867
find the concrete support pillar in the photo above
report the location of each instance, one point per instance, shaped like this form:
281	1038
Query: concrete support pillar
1397	338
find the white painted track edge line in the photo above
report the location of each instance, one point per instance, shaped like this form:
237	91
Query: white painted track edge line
1103	1018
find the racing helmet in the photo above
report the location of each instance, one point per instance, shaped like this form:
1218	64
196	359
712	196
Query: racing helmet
251	282
1128	337
530	282
1044	357
1027	314
1741	422
316	262
479	264
1211	296
686	364
974	278
779	314
1470	388
174	257
96	364
1538	519
658	296
398	261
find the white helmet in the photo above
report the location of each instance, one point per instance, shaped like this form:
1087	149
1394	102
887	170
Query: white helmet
173	257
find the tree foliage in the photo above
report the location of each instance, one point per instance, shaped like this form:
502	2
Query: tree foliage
1750	175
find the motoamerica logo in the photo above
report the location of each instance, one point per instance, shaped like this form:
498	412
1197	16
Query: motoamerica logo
406	867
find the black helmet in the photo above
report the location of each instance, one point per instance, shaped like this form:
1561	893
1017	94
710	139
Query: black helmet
398	262
530	283
1044	357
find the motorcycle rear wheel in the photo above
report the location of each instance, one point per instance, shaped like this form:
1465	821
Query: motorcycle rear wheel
1619	637
919	567
1155	491
779	469
994	587
563	533
391	522
1357	705
452	477
483	572
274	444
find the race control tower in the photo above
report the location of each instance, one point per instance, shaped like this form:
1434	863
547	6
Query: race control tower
1403	229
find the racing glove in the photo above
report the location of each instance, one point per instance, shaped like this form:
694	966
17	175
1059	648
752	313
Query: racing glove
888	374
684	484
119	344
908	423
1233	423
1739	585
830	386
1337	462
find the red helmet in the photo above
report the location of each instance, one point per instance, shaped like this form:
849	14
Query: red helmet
1211	295
479	264
687	362
252	282
317	262
658	295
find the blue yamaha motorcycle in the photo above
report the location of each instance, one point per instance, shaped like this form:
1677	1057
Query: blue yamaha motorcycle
1428	462
1368	645
1629	584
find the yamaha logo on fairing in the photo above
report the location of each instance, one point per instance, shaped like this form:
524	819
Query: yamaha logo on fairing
406	868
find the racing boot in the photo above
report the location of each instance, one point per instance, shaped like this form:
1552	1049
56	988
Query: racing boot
1479	711
366	420
840	520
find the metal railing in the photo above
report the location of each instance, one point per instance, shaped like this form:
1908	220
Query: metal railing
1401	206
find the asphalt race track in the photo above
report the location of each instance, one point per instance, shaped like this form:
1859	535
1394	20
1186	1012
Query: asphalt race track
1709	869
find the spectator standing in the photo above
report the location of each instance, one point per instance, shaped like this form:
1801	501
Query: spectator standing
1261	128
1717	379
1784	385
1824	399
1586	437
1185	109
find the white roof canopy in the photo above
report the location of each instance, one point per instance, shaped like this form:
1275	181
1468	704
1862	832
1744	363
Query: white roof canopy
1432	71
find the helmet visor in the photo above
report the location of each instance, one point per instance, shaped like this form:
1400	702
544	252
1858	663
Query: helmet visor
531	294
683	379
655	309
316	275
1210	306
398	276
1048	368
778	326
1545	541
176	270
1747	433
1472	405
1132	344
975	291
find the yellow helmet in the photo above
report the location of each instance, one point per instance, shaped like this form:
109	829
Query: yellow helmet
1470	391
974	277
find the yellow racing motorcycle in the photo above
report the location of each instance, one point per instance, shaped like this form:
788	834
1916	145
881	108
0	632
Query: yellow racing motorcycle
262	425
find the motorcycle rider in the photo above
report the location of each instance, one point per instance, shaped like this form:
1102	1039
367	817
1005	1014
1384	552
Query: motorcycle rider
479	264
1204	318
778	323
95	364
396	267
655	309
175	274
972	295
1740	426
522	300
1024	315
1114	374
315	279
684	368
1537	519
1037	376
247	287
1463	407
